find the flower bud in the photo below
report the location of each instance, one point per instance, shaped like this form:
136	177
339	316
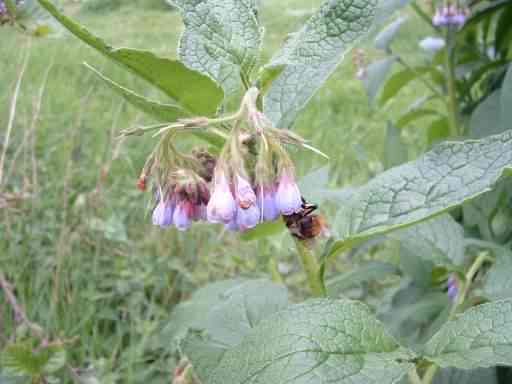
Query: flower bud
453	288
221	207
265	198
183	213
288	198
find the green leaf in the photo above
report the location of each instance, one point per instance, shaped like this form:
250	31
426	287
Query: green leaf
227	321
414	114
377	73
314	187
486	118
480	337
498	284
310	55
385	37
413	311
373	270
459	376
440	240
163	112
194	312
438	130
447	176
319	341
264	230
485	12
193	91
22	359
395	151
506	100
399	80
222	39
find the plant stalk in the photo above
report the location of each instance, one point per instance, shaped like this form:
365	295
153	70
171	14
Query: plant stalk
312	269
452	105
459	300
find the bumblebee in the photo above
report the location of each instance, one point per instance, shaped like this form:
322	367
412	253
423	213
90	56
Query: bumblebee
305	224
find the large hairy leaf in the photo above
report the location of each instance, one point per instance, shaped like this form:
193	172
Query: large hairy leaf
460	376
447	176
480	337
440	240
216	297
222	38
506	99
319	341
224	313
310	55
195	92
499	282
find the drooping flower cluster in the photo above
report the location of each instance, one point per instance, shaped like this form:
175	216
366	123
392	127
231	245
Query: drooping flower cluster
251	181
450	15
453	287
182	202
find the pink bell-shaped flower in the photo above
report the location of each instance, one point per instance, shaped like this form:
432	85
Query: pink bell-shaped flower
222	207
288	197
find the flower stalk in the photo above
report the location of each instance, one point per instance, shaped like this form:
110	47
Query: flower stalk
459	301
312	269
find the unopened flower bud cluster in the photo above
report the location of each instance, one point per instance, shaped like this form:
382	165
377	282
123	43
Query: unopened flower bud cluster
450	15
251	181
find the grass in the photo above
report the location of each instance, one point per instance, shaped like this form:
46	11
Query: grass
75	240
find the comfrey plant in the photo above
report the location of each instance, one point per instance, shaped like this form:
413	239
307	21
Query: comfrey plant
450	314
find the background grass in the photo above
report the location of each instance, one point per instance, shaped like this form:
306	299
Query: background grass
76	240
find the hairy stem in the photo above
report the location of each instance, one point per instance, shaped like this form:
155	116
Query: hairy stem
312	269
452	105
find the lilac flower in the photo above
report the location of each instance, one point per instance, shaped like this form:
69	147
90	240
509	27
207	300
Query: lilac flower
163	213
245	195
449	15
288	198
183	213
459	18
247	218
221	207
440	17
453	288
265	198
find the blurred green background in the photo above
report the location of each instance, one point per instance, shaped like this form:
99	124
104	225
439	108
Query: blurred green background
75	235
